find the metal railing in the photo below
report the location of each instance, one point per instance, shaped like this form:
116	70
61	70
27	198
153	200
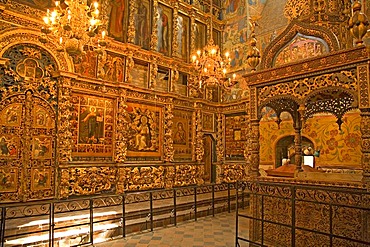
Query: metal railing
85	221
283	214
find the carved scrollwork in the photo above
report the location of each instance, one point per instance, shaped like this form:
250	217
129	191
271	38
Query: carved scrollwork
233	172
121	129
189	175
199	145
220	151
168	135
154	37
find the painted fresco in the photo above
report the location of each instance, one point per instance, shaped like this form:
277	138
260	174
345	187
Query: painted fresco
164	29
11	115
87	63
92	123
301	47
142	24
337	147
111	68
145	128
182	130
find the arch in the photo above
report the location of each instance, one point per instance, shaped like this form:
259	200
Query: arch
294	28
280	104
11	37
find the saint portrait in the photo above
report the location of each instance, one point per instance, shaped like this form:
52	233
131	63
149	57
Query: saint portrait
142	34
164	26
41	178
116	19
180	134
91	124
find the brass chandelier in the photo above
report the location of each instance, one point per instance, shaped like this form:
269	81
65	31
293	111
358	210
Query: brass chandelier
210	64
74	25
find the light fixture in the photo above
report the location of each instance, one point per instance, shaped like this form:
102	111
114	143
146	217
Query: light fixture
210	64
74	25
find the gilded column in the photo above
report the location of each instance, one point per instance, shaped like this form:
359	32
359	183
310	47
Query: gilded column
154	37
64	147
168	136
298	138
175	44
220	151
193	29
199	146
26	140
131	32
121	129
254	147
130	63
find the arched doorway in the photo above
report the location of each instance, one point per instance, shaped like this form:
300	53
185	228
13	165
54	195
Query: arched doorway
284	149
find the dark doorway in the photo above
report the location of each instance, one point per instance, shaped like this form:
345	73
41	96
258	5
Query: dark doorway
209	158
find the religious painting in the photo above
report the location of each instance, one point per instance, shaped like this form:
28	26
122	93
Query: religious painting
118	14
9	147
86	64
301	47
42	118
93	117
30	69
40	178
200	35
111	68
11	115
41	147
145	130
182	134
208	122
8	180
139	74
164	29
183	25
39	4
180	87
217	37
236	132
142	24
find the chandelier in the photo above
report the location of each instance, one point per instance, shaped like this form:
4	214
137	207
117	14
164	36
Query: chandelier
74	24
212	67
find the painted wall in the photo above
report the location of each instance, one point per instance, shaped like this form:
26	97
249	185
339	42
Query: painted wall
338	147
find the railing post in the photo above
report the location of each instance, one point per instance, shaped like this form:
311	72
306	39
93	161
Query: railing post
213	200
51	225
174	207
237	217
123	216
91	221
151	210
195	203
229	199
2	226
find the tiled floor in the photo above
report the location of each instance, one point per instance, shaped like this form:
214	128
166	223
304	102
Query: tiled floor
218	231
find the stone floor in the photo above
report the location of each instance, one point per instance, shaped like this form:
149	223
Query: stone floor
218	231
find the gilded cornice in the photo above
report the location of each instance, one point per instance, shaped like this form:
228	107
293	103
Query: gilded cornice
308	68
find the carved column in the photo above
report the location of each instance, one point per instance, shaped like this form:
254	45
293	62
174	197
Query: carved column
130	63
298	137
175	44
198	147
254	149
168	136
64	147
121	129
220	151
192	36
154	37
131	31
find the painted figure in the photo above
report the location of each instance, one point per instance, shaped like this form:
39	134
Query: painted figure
143	135
162	31
180	134
91	125
142	35
4	146
116	19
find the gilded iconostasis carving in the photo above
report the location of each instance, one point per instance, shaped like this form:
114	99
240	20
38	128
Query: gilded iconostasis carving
131	116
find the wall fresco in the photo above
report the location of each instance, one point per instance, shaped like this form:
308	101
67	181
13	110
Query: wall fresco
337	147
